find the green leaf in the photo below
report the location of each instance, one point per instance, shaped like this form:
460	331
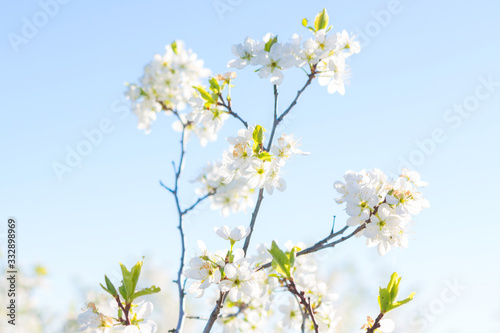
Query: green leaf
136	272
127	281
174	47
304	22
270	43
292	256
265	156
384	300
145	291
123	291
387	296
321	20
111	288
258	134
107	290
403	302
282	261
214	85
204	94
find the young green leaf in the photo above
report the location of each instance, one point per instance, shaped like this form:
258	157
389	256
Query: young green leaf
270	43
127	280
174	47
304	22
387	296
258	134
204	94
321	20
110	287
145	291
135	273
123	291
214	86
281	260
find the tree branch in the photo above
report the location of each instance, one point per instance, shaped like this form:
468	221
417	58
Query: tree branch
230	110
321	244
306	302
376	324
215	312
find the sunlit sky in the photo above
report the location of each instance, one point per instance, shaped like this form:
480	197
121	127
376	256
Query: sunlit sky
418	64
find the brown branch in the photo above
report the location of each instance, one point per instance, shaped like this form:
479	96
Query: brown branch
376	324
215	312
306	302
230	110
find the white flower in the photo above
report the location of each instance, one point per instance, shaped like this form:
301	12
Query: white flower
240	278
205	269
292	315
279	58
93	320
235	234
167	84
256	173
245	52
384	207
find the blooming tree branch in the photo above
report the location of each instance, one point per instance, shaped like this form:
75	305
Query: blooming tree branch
380	209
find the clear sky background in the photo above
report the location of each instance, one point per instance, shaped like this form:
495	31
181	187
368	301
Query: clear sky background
417	65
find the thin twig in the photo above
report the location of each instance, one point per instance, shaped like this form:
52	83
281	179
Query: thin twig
304	315
311	78
198	201
254	218
181	285
215	312
277	120
306	302
376	324
321	244
230	110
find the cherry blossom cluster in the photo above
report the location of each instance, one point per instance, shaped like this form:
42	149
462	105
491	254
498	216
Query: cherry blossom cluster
245	167
167	84
324	53
383	206
93	319
228	269
252	292
130	316
319	292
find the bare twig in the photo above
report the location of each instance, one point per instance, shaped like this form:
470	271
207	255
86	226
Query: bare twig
230	110
215	312
181	285
323	244
276	122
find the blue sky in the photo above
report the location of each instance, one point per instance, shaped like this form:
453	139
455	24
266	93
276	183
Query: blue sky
418	65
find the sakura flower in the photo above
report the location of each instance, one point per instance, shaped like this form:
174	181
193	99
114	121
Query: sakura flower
278	58
234	235
93	320
240	279
246	52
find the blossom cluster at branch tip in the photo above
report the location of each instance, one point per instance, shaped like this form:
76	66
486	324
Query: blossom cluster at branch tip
130	316
384	206
167	84
324	54
93	321
247	166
